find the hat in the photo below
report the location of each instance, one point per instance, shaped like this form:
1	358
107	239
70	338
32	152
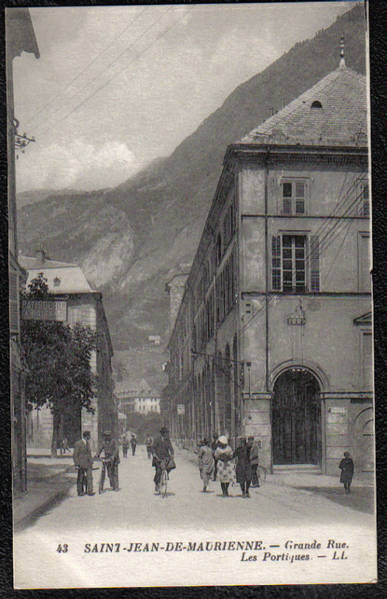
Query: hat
346	454
86	433
106	433
223	440
250	438
164	429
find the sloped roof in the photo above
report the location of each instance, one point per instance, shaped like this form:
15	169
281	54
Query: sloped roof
341	120
62	277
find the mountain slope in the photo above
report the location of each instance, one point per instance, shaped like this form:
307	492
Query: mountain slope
129	239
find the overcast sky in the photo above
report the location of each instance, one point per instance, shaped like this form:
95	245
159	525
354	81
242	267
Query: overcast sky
116	87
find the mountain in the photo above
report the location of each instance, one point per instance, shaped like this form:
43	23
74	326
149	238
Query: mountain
130	239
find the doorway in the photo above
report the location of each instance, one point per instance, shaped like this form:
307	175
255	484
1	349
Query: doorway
296	418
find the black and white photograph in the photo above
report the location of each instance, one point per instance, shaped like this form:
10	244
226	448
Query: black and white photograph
190	295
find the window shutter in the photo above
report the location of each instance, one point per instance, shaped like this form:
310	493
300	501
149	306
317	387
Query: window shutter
14	317
314	263
276	262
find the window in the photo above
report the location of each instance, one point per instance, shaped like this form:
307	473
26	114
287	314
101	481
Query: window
293	196
218	249
366	358
364	203
292	269
316	104
364	277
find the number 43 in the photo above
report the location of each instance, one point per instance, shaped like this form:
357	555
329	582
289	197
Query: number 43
62	548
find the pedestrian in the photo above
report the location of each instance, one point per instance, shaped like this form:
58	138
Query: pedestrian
65	445
163	454
83	461
347	467
148	444
133	443
125	446
254	461
206	463
110	461
243	466
214	446
224	457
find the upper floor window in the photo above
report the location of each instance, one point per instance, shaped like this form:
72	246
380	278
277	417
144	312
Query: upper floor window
219	249
364	200
293	197
293	270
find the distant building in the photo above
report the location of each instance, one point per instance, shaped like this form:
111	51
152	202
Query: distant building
74	301
273	337
20	37
137	398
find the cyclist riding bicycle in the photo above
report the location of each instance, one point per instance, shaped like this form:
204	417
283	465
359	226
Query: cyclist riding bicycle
163	453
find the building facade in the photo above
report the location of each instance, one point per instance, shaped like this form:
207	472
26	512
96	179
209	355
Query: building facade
73	302
20	37
137	399
273	337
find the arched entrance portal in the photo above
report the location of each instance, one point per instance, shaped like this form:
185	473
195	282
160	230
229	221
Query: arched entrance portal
296	418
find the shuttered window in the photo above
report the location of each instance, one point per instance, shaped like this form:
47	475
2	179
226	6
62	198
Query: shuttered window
290	271
314	263
276	263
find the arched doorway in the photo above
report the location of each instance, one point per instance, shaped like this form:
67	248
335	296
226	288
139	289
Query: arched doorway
296	418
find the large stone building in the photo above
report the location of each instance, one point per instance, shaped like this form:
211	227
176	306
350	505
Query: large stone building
74	301
137	398
273	335
20	37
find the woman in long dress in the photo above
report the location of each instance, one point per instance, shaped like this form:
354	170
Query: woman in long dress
206	463
224	456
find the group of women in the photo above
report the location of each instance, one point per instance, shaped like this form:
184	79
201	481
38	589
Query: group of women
229	465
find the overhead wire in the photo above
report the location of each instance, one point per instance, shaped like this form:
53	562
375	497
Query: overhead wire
85	68
136	56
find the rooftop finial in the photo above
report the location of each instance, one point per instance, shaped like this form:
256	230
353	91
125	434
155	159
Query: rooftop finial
342	59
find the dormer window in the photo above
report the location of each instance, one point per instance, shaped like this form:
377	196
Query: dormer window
56	282
316	104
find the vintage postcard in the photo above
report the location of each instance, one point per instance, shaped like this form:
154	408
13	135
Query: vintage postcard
190	295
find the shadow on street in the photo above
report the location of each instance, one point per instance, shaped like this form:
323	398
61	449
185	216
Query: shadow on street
360	498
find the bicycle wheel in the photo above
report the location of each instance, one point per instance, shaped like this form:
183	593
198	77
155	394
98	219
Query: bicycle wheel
164	483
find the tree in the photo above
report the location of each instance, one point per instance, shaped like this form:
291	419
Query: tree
57	357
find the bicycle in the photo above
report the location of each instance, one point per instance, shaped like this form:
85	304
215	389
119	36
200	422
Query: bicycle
164	480
162	486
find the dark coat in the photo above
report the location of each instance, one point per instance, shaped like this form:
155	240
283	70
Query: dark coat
346	466
82	455
161	449
243	466
110	450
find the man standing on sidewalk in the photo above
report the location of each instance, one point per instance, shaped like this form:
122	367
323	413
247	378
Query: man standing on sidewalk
83	461
110	461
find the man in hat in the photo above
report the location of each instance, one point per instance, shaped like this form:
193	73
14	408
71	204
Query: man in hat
162	450
110	461
83	461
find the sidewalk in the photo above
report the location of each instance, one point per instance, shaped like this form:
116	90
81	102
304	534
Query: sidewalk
48	481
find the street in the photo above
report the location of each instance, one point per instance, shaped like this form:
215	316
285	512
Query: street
280	501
